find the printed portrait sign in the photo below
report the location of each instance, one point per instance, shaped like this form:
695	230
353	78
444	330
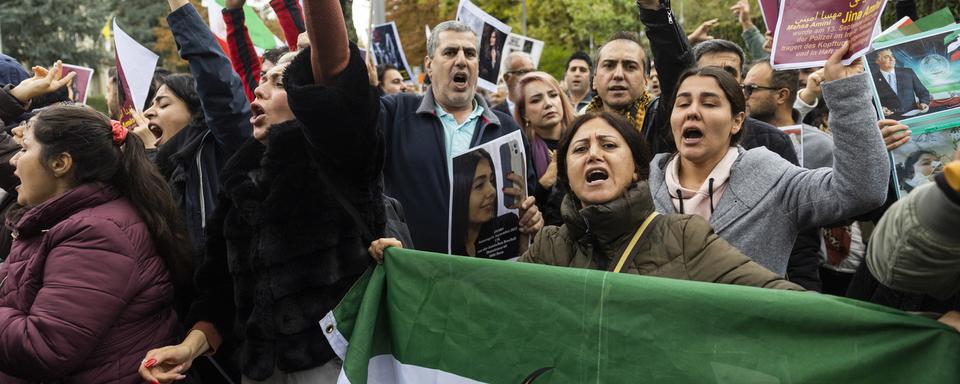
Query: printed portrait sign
386	48
916	79
488	184
492	35
809	31
80	86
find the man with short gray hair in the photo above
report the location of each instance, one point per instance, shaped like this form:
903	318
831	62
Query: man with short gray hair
519	63
423	133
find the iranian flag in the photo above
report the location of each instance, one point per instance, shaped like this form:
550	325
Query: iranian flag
429	318
260	35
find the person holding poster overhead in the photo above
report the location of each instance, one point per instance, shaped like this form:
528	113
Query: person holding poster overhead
620	77
755	199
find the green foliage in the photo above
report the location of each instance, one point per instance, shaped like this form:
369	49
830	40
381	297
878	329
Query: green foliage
98	102
138	18
38	32
554	60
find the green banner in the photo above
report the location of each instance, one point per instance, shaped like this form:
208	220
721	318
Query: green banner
430	318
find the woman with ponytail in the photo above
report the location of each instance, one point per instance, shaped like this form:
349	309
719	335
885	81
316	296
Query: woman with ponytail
97	254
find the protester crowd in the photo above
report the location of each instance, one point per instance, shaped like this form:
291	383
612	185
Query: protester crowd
205	244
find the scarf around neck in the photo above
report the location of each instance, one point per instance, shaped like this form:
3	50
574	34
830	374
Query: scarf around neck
635	113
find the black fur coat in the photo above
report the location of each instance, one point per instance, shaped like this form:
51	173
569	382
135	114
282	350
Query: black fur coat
281	250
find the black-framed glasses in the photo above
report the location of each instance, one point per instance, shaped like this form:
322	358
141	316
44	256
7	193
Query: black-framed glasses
519	72
748	89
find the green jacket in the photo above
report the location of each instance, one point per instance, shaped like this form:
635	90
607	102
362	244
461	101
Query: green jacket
674	246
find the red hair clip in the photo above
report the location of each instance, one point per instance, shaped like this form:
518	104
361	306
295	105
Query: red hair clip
119	132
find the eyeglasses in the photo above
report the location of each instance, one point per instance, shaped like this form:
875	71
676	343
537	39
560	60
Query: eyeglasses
748	89
519	72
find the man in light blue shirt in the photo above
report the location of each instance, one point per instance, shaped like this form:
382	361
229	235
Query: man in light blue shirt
458	135
422	134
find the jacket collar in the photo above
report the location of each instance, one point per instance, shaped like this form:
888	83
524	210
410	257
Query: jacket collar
610	224
749	183
55	210
428	105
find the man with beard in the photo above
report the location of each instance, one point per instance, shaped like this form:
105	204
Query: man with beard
620	78
423	133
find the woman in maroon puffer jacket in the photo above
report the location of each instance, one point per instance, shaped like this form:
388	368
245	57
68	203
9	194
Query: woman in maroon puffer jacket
89	283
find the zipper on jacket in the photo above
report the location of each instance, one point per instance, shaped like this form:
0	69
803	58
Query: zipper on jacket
203	207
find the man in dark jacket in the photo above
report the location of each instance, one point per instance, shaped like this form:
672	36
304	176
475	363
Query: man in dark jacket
620	77
424	133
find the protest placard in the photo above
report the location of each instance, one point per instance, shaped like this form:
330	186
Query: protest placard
923	157
488	184
907	27
492	35
916	79
80	86
770	10
135	65
386	48
809	31
515	43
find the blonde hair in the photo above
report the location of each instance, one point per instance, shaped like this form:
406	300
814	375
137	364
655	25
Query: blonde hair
569	113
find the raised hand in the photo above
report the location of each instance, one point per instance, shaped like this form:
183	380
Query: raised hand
835	70
813	90
372	70
44	81
742	10
702	33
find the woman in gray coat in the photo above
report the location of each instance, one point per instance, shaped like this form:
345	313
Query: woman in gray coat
755	199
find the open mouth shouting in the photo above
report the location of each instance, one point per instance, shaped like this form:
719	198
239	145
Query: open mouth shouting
155	130
692	135
459	80
257	115
596	176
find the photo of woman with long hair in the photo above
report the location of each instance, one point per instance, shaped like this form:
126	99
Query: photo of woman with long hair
475	228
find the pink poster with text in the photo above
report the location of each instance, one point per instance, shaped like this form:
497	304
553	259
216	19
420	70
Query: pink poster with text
809	31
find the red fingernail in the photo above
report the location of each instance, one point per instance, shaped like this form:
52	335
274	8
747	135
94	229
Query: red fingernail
150	363
156	382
